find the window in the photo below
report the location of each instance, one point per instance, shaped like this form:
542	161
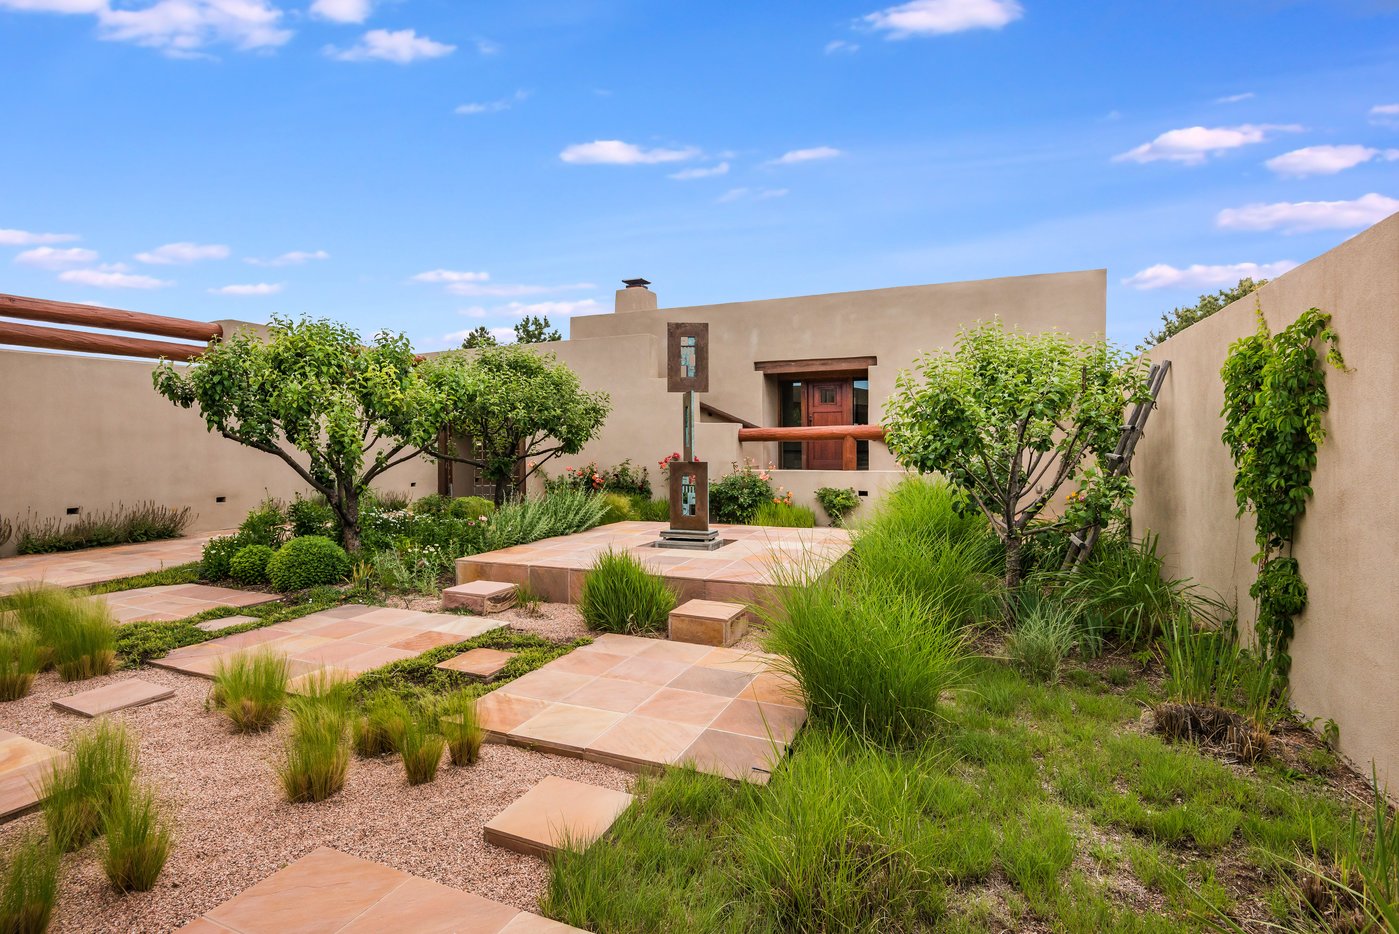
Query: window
790	416
828	395
860	415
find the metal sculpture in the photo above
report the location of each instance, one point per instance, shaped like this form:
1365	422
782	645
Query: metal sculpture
687	373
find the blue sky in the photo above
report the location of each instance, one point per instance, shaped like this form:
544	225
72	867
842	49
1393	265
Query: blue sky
433	165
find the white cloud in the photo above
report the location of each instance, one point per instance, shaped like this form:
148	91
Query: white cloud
1192	145
254	288
1235	98
11	237
47	257
451	275
183	28
686	175
491	107
513	290
1303	216
616	152
1325	160
112	276
172	254
742	194
398	46
1385	115
806	155
342	11
1162	276
294	258
940	17
841	46
53	6
586	306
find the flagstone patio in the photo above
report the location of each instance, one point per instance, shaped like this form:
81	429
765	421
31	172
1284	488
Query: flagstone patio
23	763
170	602
742	571
642	704
344	641
328	891
97	565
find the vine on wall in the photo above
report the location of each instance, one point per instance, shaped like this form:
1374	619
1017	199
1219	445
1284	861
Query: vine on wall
1274	398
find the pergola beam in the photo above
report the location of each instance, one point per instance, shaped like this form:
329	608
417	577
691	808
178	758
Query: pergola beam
25	335
42	309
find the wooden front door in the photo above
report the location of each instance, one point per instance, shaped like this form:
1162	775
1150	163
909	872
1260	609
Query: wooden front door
828	402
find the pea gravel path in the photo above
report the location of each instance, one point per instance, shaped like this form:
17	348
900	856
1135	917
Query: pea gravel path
234	829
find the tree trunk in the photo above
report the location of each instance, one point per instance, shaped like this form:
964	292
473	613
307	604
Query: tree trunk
1014	548
348	509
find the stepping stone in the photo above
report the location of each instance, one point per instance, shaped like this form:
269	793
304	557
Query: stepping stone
133	692
214	625
479	597
708	622
479	663
23	764
555	813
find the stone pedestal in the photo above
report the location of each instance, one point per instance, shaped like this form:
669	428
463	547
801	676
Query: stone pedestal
708	622
481	597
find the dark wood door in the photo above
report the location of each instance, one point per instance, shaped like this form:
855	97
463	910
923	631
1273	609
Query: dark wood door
828	402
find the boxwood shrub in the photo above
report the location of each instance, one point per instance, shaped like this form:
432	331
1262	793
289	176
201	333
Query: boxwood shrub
249	565
307	561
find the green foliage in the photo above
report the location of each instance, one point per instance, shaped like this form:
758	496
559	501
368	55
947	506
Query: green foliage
1178	319
1274	399
139	834
618	508
22	655
265	525
249	565
1207	666
470	507
736	498
870	656
173	575
1010	417
838	502
479	336
78	791
623	478
309	517
217	557
138	643
420	746
517	405
784	515
377	728
120	525
533	329
620	595
77	634
1045	632
307	562
30	887
317	396
408	569
651	510
559	513
316	755
250	688
459	726
419	677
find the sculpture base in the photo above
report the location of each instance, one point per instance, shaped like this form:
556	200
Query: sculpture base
707	540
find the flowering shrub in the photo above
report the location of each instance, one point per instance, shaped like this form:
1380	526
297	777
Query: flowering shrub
736	498
624	478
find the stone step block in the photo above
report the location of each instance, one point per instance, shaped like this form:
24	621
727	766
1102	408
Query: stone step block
481	597
556	813
479	663
133	692
708	622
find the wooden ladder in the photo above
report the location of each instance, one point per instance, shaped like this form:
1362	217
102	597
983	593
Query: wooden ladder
1120	460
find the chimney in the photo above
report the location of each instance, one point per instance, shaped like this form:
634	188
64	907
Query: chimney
636	296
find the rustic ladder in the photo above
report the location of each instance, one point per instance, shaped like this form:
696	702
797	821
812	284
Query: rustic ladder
1120	460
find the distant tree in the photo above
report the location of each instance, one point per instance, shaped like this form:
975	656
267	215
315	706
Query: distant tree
1178	319
480	337
533	330
515	404
338	412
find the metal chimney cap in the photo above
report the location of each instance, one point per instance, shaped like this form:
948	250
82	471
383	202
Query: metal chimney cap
636	283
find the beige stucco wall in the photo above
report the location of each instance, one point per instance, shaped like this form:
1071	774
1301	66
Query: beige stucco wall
91	432
1346	651
623	353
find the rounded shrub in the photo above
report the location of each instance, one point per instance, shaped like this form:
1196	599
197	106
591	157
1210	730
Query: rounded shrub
620	595
307	561
249	565
471	507
434	504
309	517
618	508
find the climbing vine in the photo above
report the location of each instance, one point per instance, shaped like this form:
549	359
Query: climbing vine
1274	398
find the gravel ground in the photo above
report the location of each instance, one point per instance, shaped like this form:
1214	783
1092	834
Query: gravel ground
234	829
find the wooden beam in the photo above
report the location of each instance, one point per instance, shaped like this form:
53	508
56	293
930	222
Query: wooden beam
42	309
25	335
850	453
814	433
818	366
723	416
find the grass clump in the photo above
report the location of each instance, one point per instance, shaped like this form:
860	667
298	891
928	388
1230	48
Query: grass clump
460	727
78	632
250	688
77	793
421	747
380	725
139	835
22	655
869	655
784	515
621	595
1045	633
29	889
316	757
